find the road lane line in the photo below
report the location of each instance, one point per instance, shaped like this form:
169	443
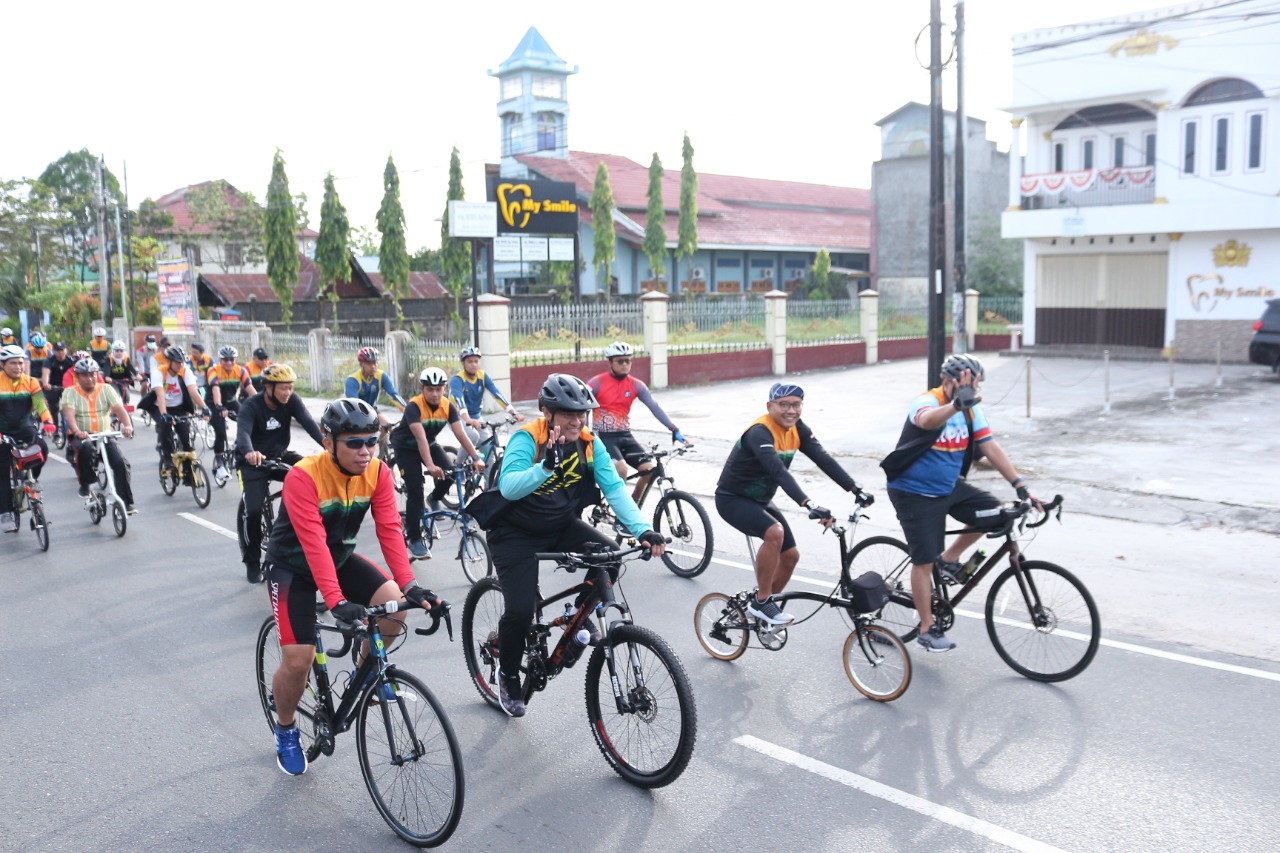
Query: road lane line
977	826
209	525
1112	644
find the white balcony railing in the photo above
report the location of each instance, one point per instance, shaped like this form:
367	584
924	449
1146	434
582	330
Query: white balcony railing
1088	188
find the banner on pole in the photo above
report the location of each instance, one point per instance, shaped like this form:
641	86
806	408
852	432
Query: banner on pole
176	285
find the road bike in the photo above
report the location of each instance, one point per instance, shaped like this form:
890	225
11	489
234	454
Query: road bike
223	473
26	488
103	500
473	551
640	705
409	755
875	660
491	450
184	467
678	515
268	509
1041	620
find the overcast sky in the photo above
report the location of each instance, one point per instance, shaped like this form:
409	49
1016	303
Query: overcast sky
187	92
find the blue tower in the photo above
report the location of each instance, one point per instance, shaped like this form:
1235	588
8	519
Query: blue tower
533	103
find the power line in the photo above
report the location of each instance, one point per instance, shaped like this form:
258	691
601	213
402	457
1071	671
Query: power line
1128	27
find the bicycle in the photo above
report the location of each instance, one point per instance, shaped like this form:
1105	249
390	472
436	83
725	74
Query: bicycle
184	467
678	515
103	498
409	755
473	551
268	509
491	451
640	710
1036	612
875	660
223	474
26	488
387	453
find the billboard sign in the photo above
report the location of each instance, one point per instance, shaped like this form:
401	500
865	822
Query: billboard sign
534	207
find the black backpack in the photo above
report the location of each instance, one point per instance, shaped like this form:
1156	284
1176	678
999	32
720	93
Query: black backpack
915	441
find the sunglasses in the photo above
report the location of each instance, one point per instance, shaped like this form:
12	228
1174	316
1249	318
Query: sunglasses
620	360
357	443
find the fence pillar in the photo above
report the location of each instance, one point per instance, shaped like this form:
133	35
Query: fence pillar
970	318
260	337
869	321
397	353
120	332
775	328
495	338
320	360
654	306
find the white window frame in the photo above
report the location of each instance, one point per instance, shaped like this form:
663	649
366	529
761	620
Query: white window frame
1154	146
1194	124
1086	143
512	87
1262	140
1058	155
1226	167
1119	145
548	86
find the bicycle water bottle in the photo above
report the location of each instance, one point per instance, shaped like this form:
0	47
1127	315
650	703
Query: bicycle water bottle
573	649
970	568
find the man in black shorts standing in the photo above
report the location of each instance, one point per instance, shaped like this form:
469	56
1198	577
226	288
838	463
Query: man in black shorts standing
756	468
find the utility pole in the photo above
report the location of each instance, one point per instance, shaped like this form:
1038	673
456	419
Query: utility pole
960	341
39	277
128	221
124	294
104	266
937	213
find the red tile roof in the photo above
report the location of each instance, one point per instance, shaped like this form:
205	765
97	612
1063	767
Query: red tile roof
422	285
732	211
175	203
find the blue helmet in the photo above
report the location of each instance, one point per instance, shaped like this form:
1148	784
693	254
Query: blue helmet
38	339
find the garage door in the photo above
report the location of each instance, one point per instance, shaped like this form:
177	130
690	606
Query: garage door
1111	300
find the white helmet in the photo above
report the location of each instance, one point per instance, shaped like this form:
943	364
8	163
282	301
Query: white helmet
618	348
433	376
99	332
6	332
11	351
118	346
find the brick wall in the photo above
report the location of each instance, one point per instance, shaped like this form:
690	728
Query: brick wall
1197	340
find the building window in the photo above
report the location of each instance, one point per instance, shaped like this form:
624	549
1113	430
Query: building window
512	87
1189	147
1059	156
1221	141
1253	151
1149	149
234	254
1221	91
728	263
546	131
1117	152
511	138
193	249
548	86
1086	154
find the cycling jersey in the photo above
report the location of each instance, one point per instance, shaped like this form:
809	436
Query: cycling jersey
201	365
230	380
92	408
20	399
759	461
616	394
255	372
433	420
266	430
469	393
357	386
936	472
99	350
58	368
37	355
120	371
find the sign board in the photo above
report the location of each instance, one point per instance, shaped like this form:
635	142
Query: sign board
473	219
533	249
1073	226
561	248
176	284
534	207
506	248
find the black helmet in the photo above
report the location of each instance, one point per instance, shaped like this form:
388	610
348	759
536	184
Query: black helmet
175	354
260	353
563	392
347	414
957	364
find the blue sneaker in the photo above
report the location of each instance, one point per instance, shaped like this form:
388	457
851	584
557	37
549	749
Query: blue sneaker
418	550
289	755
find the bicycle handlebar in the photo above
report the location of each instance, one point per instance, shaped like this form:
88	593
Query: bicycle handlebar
108	434
1015	516
571	561
439	610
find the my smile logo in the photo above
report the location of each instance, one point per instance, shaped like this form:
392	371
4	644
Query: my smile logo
1204	291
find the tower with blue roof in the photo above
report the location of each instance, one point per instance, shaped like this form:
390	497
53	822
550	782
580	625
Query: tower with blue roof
533	103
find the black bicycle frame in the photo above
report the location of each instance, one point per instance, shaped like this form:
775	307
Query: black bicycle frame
331	722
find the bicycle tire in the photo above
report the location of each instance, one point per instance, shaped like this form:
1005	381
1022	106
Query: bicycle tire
889	558
266	661
268	522
60	439
473	553
481	611
877	663
241	540
410	760
1042	645
200	488
119	518
96	512
168	479
450	498
651	744
40	525
717	609
680	516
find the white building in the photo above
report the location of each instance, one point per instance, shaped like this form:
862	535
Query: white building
1148	199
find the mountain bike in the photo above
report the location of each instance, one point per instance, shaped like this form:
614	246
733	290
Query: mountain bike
268	509
875	660
491	450
473	551
678	515
1041	620
184	467
26	488
103	498
409	755
640	705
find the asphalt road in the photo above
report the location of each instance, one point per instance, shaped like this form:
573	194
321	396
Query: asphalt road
131	718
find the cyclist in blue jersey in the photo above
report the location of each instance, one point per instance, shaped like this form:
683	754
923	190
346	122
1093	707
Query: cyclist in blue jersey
467	389
369	382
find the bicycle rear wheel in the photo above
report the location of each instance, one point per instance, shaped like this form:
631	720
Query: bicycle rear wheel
200	488
40	525
267	661
721	626
1042	621
119	519
877	663
649	741
473	552
268	522
888	557
480	614
410	760
168	479
680	516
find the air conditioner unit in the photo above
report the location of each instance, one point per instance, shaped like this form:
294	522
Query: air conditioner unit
699	273
797	274
766	272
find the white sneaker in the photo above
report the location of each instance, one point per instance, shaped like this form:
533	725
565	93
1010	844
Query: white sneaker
768	611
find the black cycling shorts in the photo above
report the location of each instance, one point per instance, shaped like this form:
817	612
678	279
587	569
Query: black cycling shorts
924	519
623	445
293	596
753	518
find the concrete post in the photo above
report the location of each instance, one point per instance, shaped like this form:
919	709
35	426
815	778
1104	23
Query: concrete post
120	332
1015	166
970	318
260	336
495	339
775	328
397	355
320	362
869	321
654	307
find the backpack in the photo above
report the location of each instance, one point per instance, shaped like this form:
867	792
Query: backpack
916	441
488	507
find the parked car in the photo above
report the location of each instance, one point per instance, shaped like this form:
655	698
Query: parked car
1265	346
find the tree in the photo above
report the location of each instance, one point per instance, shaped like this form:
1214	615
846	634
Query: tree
280	223
605	238
820	276
227	223
333	258
363	242
152	221
993	265
29	220
455	255
687	236
69	185
425	260
655	235
393	253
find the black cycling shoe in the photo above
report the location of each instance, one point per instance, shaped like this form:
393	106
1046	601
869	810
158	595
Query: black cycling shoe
253	574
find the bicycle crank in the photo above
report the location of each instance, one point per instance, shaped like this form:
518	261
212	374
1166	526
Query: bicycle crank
772	638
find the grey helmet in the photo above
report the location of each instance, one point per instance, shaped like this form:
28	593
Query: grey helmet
564	392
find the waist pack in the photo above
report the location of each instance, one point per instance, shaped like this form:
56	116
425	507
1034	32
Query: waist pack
868	593
25	457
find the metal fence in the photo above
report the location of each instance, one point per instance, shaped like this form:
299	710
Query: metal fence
831	321
532	325
905	321
995	313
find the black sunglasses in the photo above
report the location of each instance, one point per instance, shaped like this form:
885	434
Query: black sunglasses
357	443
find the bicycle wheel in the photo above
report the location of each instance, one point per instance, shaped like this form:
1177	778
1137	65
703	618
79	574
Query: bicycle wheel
119	519
1042	621
168	479
40	525
268	522
241	538
60	438
650	741
410	760
200	488
721	626
680	516
480	614
450	498
267	661
877	663
473	553
96	510
887	557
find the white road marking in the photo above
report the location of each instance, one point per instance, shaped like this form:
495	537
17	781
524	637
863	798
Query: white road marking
209	525
56	458
977	826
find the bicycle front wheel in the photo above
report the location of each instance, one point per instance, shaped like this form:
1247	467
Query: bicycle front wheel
1042	621
267	661
168	479
473	553
721	626
118	517
877	663
888	557
680	516
268	522
40	525
410	760
647	734
480	614
200	488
